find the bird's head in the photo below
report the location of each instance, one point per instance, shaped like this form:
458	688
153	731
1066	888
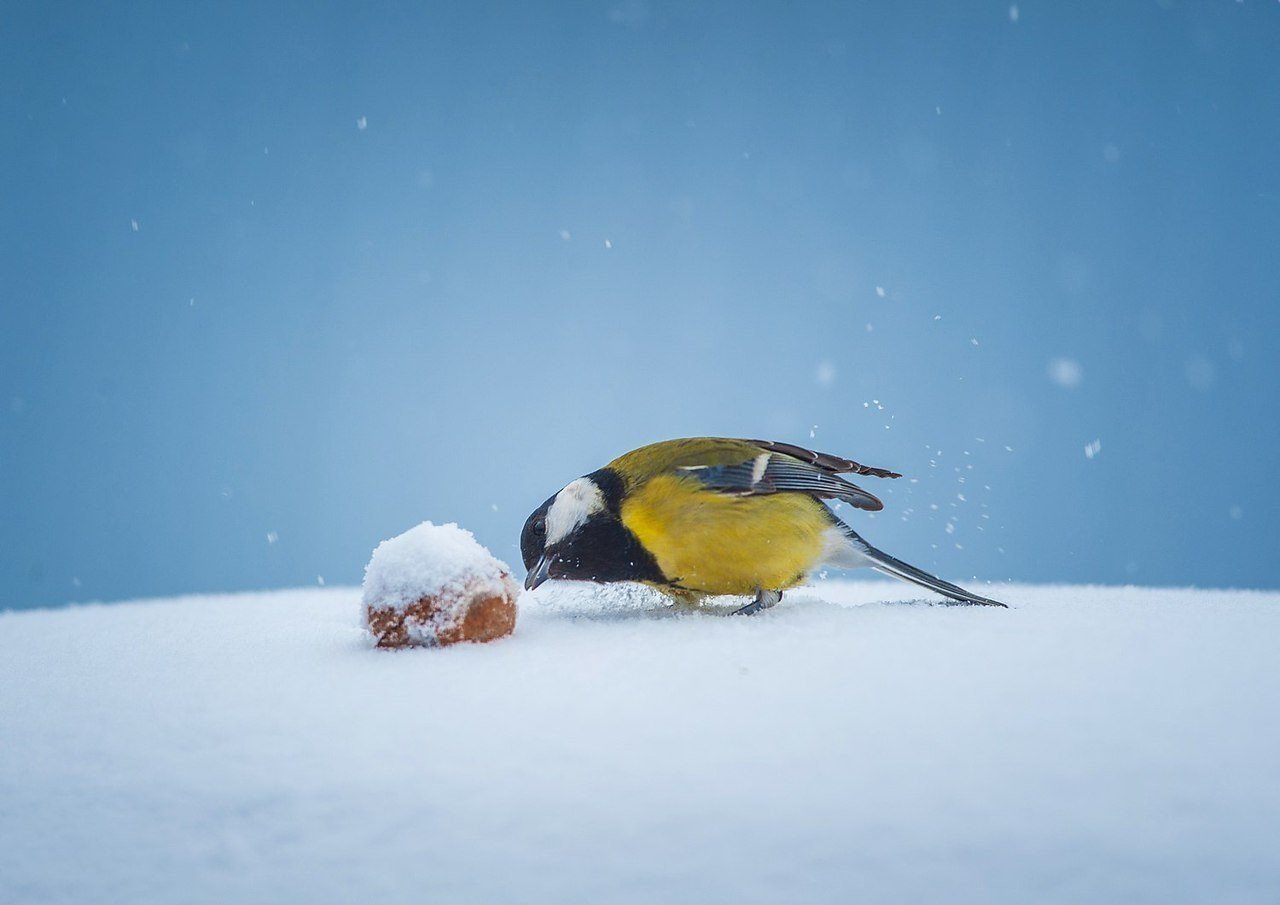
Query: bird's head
578	535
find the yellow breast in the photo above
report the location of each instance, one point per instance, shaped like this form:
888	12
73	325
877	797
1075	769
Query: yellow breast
715	543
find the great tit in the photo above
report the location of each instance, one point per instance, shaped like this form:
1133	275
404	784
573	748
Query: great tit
712	516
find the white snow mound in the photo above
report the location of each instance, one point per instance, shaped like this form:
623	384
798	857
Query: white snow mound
431	561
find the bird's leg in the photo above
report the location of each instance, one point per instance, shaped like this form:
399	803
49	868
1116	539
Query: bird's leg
762	601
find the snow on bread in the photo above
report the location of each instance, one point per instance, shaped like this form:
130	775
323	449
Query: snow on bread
436	585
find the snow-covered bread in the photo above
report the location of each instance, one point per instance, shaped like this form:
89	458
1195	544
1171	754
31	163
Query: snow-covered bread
436	585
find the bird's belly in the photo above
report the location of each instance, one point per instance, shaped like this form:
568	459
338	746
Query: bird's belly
716	543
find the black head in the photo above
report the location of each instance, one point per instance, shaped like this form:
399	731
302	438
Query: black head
578	535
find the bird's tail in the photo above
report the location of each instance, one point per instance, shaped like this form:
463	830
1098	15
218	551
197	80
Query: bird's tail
891	565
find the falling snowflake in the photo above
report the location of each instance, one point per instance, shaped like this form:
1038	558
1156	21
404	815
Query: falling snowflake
1065	372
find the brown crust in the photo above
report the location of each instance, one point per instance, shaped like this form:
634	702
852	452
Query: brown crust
486	619
440	621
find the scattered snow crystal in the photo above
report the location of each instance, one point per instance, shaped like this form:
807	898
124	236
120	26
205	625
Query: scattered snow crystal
1065	372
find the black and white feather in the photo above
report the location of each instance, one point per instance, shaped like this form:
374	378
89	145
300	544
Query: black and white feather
776	472
824	461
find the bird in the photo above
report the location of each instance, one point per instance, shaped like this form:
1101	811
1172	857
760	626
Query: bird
712	516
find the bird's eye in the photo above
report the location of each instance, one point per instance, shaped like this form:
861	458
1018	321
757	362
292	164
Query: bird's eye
539	527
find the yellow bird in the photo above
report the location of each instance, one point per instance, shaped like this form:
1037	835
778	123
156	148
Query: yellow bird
709	516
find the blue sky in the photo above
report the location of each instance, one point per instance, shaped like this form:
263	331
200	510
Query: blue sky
281	281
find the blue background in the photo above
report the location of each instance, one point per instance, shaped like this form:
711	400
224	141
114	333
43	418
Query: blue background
319	334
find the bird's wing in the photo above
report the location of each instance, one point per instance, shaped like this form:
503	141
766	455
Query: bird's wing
780	472
824	461
746	467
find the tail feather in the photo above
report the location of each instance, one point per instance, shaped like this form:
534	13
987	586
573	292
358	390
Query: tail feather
891	565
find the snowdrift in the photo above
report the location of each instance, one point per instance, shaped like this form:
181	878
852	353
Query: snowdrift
1087	745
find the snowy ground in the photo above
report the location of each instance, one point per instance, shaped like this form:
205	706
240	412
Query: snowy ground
1088	745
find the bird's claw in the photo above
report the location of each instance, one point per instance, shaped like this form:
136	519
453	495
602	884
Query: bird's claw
762	601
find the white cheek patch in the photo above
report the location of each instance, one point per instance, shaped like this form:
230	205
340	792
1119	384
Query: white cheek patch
571	507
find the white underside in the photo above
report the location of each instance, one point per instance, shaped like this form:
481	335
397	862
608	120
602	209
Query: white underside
841	551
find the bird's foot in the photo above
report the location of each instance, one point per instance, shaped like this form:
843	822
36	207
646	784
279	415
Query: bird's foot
762	601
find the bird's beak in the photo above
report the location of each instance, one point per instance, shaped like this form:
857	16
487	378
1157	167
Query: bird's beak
538	574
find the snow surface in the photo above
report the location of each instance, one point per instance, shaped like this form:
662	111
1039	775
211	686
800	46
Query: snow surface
428	561
1087	745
